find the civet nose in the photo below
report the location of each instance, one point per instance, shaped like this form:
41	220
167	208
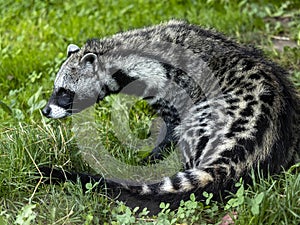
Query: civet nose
46	111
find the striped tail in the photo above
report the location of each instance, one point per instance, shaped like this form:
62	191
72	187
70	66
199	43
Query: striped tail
169	190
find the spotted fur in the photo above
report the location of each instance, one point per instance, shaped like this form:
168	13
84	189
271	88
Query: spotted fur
226	107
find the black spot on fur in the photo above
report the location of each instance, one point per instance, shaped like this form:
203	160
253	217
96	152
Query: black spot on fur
176	182
239	92
248	111
261	126
248	97
168	69
200	131
230	113
255	76
122	78
252	103
233	107
201	145
247	64
192	160
240	121
248	144
232	100
236	127
268	98
201	119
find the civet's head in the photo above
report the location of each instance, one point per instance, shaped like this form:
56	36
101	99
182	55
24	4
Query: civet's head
95	71
77	84
87	77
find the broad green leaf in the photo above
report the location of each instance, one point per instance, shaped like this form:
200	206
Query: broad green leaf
5	107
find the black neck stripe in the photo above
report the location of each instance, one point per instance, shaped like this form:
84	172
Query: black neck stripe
122	78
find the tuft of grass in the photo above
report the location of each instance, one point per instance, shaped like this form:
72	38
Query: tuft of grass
271	200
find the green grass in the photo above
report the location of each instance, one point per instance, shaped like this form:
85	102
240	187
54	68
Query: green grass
33	40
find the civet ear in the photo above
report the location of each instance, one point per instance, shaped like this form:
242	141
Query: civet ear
88	58
72	49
